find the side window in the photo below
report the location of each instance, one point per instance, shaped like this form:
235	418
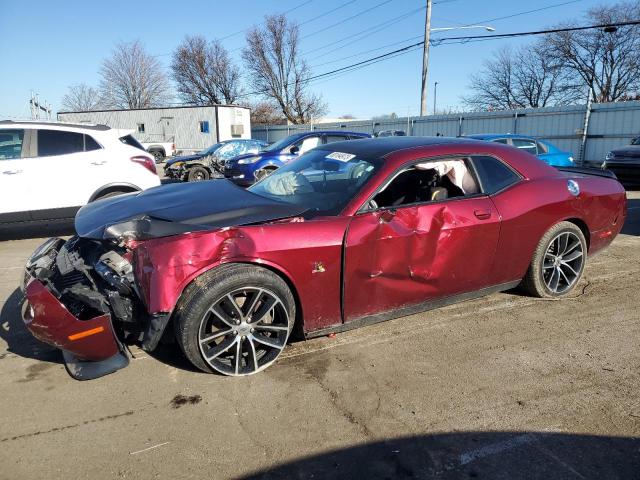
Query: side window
90	144
493	174
526	145
307	144
504	141
429	181
57	142
336	138
11	144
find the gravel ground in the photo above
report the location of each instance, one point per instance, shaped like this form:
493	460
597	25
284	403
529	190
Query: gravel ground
502	387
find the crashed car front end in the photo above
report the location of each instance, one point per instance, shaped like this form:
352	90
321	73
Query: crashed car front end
73	292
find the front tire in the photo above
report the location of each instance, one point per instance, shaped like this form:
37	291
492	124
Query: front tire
198	174
558	262
235	319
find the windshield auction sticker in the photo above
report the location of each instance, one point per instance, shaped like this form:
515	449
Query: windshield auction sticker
341	157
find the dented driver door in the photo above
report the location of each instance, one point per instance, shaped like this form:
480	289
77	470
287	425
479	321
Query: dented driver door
398	257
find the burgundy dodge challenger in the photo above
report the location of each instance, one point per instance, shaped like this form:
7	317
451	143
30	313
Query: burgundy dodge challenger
351	233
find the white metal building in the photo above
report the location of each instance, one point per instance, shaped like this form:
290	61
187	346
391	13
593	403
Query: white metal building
190	128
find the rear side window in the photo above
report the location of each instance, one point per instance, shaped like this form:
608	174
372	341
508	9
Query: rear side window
335	138
11	144
57	142
493	174
132	142
526	145
90	144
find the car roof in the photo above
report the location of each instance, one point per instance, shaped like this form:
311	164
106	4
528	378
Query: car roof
43	123
491	136
381	147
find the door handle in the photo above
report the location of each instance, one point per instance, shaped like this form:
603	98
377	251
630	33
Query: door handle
482	214
12	172
102	162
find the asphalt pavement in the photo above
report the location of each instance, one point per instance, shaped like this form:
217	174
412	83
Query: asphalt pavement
502	387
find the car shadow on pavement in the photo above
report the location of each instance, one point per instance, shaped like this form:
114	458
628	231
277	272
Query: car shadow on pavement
632	223
19	340
22	231
488	455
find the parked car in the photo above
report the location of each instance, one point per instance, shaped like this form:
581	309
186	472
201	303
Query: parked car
347	234
390	133
48	170
625	163
160	150
247	169
210	161
544	150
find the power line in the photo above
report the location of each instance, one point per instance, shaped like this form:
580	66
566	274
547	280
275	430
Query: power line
517	14
382	24
245	29
347	19
327	13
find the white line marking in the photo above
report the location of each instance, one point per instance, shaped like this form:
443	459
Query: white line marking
494	448
150	448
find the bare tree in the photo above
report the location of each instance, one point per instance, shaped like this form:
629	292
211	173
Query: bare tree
81	98
527	77
277	70
204	73
132	78
265	113
607	60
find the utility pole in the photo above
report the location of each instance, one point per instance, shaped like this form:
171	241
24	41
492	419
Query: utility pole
37	106
425	60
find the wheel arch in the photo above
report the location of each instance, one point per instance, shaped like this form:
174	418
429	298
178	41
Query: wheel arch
582	225
298	328
113	187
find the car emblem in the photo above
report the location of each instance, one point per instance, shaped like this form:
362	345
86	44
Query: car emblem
573	187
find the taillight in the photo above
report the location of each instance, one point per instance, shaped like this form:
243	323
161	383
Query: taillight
146	162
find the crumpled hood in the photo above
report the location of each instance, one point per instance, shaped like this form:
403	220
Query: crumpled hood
178	208
184	158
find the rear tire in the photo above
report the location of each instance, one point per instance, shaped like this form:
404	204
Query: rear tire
158	155
558	262
235	340
198	174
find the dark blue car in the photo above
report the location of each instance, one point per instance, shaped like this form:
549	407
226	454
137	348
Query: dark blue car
247	169
210	162
544	150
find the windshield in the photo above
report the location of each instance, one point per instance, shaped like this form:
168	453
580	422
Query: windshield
210	150
321	180
280	144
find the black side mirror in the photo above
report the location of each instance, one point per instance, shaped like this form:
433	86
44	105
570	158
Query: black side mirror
294	150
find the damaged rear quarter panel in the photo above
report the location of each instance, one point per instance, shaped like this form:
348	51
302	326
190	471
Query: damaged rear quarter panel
165	266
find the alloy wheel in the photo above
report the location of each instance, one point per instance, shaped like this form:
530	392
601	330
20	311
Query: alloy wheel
244	331
563	262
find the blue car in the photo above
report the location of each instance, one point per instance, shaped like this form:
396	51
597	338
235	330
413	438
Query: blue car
210	161
544	150
248	169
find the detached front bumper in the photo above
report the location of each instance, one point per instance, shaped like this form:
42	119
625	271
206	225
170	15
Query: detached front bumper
90	347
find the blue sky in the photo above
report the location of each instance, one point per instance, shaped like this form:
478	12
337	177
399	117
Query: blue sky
57	44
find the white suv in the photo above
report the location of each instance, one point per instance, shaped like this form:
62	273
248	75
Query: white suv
49	170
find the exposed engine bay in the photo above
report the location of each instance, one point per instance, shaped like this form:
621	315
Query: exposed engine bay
92	278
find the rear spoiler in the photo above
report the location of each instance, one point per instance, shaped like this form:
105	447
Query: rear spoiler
596	172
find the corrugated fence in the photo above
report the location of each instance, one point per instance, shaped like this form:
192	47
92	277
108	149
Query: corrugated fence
609	125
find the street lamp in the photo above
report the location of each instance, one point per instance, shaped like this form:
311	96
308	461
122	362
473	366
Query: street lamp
425	52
